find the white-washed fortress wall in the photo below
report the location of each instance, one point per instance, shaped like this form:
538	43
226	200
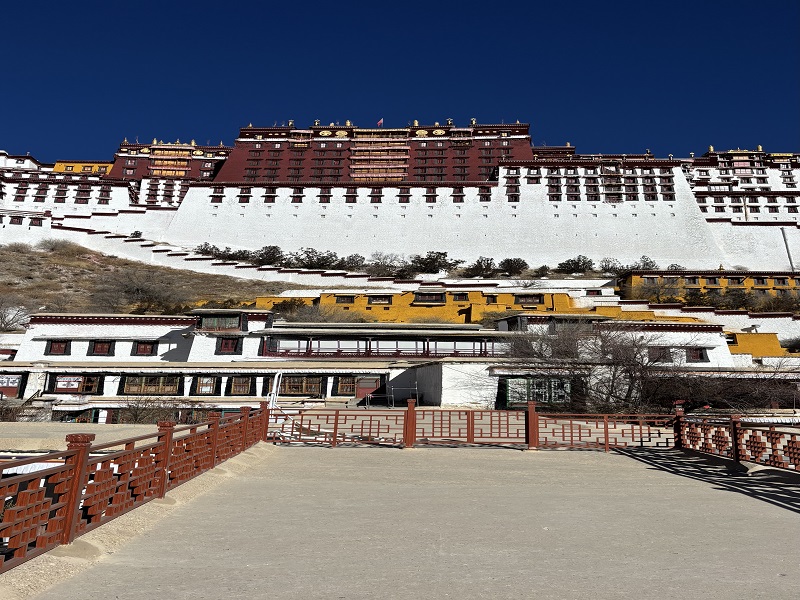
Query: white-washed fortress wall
669	229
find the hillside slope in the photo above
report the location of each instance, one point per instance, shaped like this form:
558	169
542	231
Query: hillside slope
59	276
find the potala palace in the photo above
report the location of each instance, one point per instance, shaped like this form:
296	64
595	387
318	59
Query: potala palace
474	190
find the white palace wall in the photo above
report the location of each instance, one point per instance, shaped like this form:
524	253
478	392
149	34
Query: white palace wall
536	229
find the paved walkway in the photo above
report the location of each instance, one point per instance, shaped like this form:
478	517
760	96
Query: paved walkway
358	523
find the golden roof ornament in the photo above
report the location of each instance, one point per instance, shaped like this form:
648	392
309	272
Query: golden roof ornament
711	148
473	121
416	123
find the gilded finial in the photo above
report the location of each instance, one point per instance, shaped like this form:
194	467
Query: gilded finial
473	121
759	148
416	123
249	125
316	122
125	141
347	123
193	143
711	148
291	122
449	121
155	141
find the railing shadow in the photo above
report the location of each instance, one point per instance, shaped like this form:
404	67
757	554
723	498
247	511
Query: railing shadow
773	486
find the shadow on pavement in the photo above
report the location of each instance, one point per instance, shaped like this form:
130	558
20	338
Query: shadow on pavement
776	487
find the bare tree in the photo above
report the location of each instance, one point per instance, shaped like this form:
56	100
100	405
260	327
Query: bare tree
148	409
10	409
611	364
13	313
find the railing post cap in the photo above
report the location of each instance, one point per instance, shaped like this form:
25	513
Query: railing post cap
214	416
163	425
79	440
244	409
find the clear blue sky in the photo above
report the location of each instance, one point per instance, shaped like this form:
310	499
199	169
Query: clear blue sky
619	76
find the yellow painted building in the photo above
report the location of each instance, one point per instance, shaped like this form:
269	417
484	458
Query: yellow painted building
472	305
677	284
437	304
459	306
759	345
82	167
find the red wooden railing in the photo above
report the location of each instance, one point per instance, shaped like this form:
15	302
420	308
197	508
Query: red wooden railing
526	429
88	485
765	444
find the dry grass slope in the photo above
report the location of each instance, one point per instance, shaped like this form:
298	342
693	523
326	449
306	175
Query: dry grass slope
59	276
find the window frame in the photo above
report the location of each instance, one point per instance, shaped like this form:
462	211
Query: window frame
65	351
137	344
145	385
229	346
100	348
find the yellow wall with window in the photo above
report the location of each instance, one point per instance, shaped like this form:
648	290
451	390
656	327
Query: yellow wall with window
440	305
82	168
679	283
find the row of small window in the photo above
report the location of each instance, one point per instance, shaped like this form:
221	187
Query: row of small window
46	177
605	180
588	171
750	209
749	199
33	221
557	197
761	281
441	298
171	385
101	348
63	199
666	354
86	168
457	198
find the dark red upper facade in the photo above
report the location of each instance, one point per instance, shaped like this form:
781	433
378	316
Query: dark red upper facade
336	154
168	160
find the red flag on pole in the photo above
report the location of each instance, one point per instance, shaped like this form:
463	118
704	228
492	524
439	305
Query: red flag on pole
380	123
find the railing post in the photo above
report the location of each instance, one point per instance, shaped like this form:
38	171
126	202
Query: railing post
605	432
409	435
165	429
265	416
532	426
80	442
471	427
335	428
736	454
245	410
214	418
677	427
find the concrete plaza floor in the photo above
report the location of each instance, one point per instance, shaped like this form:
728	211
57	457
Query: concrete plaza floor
357	523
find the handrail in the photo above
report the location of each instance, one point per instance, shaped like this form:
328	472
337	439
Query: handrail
86	486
